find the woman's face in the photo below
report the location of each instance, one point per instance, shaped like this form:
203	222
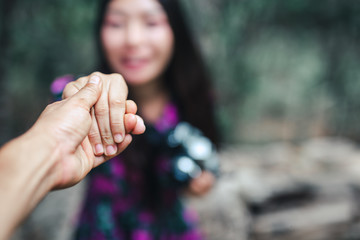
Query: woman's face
137	39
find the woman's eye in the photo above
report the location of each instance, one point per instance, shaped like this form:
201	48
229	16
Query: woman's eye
153	23
113	24
116	25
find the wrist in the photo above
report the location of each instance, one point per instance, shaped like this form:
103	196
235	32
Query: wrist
43	151
27	173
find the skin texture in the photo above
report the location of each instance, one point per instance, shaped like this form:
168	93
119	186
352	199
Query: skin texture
107	129
55	153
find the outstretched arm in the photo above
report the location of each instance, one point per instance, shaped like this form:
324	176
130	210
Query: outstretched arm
54	153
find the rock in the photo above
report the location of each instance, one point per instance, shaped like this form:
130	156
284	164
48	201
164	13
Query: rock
309	190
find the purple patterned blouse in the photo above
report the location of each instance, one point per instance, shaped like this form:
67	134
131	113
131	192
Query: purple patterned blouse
114	205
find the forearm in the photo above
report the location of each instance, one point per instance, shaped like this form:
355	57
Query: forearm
26	175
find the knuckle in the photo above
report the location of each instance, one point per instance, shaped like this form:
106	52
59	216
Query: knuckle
82	102
68	89
92	90
101	111
117	125
79	83
107	138
116	75
81	80
96	73
94	136
120	79
117	103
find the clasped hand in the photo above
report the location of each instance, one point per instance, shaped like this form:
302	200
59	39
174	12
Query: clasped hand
93	124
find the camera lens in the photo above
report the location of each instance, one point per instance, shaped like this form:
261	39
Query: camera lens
185	168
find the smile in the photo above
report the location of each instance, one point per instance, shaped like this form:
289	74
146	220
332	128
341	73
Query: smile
134	63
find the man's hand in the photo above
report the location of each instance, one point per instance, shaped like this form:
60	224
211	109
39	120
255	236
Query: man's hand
54	153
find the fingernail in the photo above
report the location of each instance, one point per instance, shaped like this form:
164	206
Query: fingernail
110	150
94	79
99	149
141	121
118	138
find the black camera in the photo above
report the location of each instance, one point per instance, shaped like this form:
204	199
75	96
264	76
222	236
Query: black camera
189	150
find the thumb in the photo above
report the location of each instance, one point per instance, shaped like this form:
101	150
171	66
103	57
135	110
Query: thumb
90	93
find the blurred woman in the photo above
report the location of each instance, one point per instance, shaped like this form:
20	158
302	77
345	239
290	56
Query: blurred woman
138	195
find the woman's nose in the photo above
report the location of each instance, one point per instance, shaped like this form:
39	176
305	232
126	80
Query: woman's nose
134	34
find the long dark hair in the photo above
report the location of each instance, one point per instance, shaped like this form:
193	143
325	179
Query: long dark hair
190	87
186	76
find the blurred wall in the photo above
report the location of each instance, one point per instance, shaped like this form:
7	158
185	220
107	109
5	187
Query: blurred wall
283	69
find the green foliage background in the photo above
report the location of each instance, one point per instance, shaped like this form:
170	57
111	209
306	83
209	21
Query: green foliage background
283	69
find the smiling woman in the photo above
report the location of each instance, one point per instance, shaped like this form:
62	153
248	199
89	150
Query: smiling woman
148	42
137	40
138	195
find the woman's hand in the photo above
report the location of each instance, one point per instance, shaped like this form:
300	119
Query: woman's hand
113	117
201	185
